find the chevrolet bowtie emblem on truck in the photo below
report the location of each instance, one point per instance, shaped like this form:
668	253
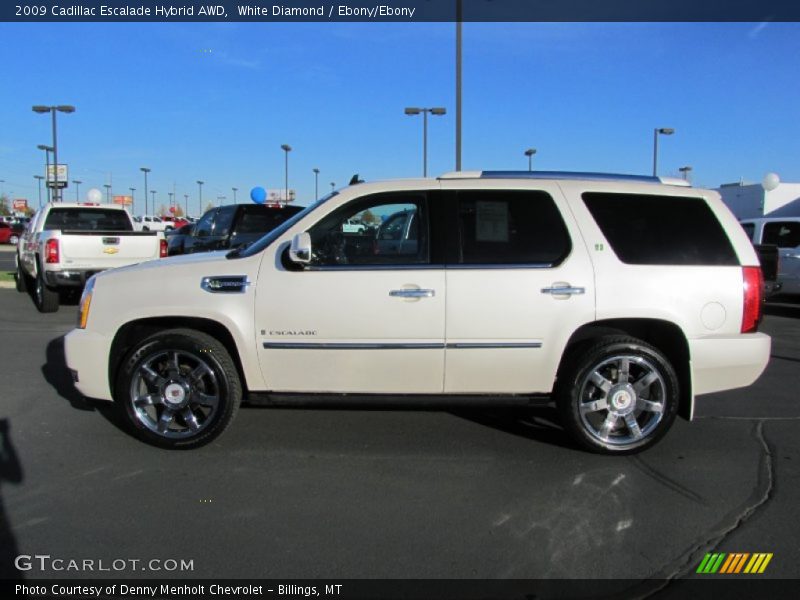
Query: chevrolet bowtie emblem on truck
110	250
225	284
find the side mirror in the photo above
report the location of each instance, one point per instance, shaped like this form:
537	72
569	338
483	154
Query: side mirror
300	250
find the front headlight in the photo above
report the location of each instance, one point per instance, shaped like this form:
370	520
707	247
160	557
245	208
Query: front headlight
86	301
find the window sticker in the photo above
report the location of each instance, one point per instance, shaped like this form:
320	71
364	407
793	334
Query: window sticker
491	221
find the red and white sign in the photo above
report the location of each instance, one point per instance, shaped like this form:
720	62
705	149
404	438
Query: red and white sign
20	204
124	200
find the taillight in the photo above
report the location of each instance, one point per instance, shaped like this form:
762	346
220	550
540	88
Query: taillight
753	290
51	251
162	249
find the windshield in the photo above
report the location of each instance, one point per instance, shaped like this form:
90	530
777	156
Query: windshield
273	235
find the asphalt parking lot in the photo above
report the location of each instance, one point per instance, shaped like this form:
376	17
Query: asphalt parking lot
312	493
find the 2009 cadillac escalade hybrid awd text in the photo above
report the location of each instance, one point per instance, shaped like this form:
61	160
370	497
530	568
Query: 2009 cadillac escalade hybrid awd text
621	298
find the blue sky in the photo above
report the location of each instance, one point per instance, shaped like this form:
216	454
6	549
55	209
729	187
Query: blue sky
216	101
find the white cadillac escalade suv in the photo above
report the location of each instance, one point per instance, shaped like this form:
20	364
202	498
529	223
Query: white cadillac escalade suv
619	298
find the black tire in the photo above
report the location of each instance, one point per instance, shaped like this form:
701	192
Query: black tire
21	279
178	389
45	297
618	395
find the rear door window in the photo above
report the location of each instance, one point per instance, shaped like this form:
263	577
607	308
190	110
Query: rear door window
510	227
660	230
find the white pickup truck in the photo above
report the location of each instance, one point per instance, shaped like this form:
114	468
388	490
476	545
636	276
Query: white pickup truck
65	244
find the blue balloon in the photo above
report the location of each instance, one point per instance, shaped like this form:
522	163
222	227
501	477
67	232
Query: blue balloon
258	195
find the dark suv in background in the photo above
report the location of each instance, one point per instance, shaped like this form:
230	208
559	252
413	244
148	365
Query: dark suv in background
232	226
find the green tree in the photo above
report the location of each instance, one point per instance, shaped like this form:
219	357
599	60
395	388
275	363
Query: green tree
5	205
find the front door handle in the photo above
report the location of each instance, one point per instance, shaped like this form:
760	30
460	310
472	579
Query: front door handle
412	293
564	290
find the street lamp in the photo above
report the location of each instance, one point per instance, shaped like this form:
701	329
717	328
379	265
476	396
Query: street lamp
145	170
685	170
39	178
434	111
200	201
221	200
47	150
656	132
316	183
65	108
333	187
286	148
108	192
529	153
133	190
234	193
77	183
171	194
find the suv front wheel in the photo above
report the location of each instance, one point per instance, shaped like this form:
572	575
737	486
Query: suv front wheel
619	396
178	389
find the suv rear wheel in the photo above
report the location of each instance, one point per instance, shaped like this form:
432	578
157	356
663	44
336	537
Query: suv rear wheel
619	396
178	389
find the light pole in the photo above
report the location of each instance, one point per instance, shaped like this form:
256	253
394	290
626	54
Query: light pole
47	150
685	170
316	183
234	193
200	196
529	153
458	84
39	179
333	187
286	148
65	108
656	132
108	192
77	183
133	190
221	200
145	170
171	194
434	111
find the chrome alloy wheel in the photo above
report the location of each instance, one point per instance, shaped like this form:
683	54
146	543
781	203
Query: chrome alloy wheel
175	394
622	400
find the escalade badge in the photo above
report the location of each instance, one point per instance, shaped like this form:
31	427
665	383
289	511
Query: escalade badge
225	284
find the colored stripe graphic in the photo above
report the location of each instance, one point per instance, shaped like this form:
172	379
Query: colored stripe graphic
733	563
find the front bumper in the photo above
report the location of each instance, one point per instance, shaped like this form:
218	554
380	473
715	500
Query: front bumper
727	362
87	358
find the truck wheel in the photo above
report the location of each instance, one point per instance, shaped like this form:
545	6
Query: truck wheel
619	396
21	279
46	298
178	389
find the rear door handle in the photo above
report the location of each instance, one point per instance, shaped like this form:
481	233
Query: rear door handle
412	293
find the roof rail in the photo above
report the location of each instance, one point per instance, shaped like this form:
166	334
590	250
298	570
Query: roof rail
567	175
562	175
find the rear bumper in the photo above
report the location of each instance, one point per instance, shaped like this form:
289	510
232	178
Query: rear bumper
87	358
724	363
68	278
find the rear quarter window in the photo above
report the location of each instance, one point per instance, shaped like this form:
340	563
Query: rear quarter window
661	230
